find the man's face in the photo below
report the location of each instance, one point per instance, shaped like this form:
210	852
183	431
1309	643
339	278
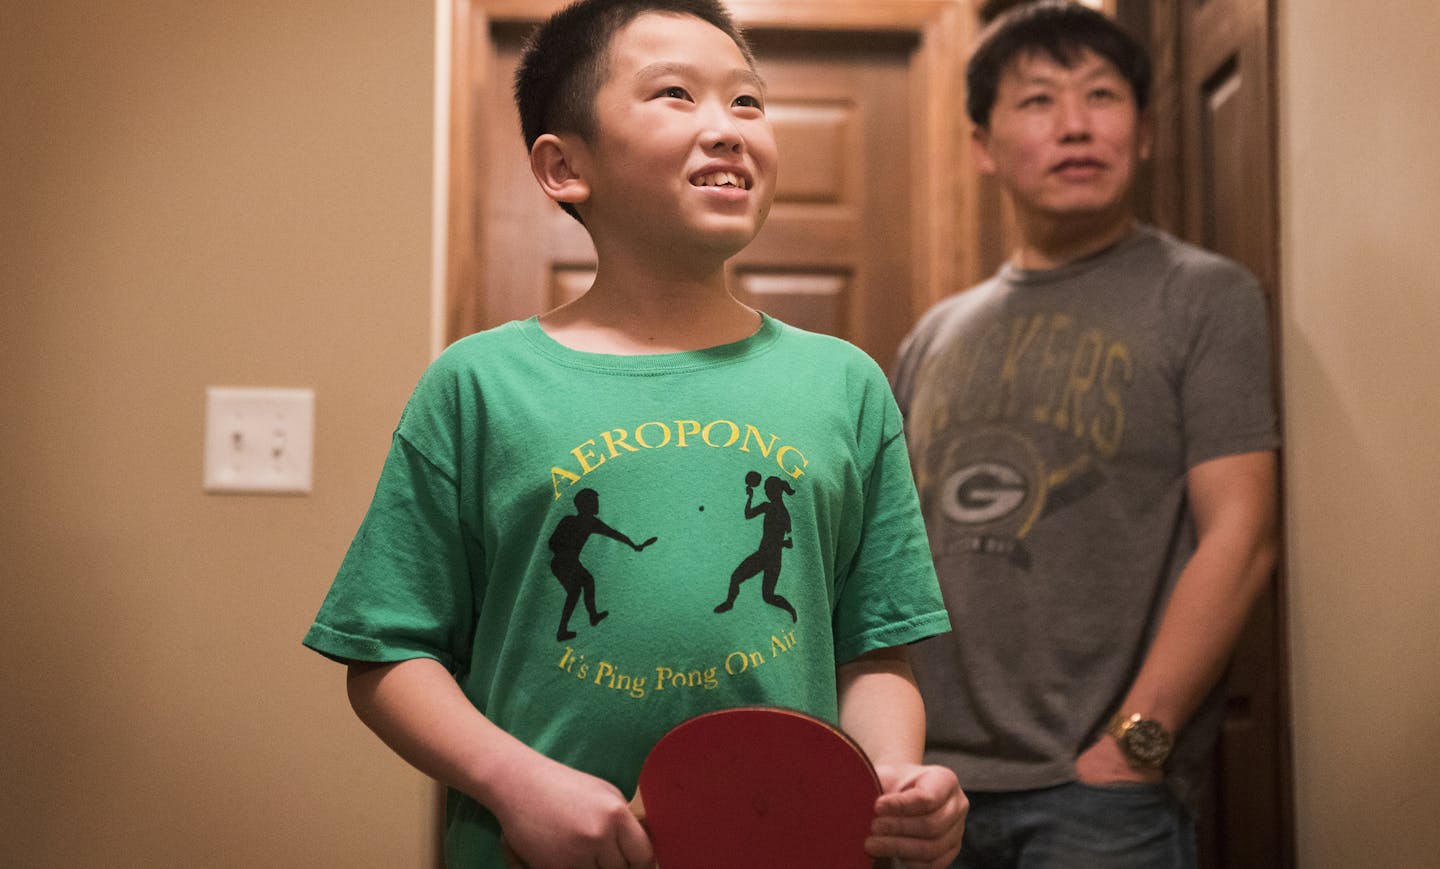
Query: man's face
683	157
1065	141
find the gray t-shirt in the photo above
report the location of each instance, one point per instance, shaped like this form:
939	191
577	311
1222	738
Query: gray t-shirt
1052	417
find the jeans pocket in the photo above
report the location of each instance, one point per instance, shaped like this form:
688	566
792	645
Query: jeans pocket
1128	791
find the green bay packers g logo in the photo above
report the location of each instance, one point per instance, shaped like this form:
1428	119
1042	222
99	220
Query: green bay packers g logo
999	484
983	493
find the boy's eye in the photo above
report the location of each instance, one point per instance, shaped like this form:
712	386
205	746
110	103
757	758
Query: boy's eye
751	102
1104	94
1035	101
675	92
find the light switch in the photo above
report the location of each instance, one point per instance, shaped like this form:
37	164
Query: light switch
259	440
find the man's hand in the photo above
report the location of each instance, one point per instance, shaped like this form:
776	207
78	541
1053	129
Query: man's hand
567	818
920	816
1104	763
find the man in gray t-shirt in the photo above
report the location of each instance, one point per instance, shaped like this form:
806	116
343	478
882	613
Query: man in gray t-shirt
1093	437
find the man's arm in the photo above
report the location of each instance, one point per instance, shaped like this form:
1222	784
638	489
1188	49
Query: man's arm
921	814
551	815
1233	499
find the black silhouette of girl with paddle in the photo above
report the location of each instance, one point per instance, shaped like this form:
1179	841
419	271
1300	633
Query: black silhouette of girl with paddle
774	537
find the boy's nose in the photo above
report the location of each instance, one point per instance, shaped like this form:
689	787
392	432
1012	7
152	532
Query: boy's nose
719	132
721	142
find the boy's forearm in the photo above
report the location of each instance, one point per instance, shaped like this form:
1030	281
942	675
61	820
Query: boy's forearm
881	707
418	709
921	814
550	814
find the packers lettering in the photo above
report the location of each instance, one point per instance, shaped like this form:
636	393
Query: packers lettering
1048	368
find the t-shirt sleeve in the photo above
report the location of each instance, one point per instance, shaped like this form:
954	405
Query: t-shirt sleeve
906	359
404	589
1228	401
888	595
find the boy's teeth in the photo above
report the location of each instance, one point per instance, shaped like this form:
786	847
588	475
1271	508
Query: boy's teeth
719	179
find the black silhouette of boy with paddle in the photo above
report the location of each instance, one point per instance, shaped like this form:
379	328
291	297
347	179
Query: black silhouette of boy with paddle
566	542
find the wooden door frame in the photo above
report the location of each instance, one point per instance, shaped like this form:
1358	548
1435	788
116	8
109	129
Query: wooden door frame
1174	204
947	210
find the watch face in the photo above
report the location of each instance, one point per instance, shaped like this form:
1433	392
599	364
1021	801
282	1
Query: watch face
1147	742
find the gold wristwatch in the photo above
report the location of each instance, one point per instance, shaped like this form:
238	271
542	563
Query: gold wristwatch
1144	741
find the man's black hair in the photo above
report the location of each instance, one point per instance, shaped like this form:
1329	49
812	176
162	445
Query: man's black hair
564	61
991	9
1061	29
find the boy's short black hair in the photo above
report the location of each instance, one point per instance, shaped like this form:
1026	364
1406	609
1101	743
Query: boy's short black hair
563	62
1060	29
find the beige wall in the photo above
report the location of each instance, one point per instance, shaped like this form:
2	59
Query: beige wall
198	194
193	194
1359	90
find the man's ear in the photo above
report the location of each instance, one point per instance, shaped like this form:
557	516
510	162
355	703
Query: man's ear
980	147
554	163
1144	136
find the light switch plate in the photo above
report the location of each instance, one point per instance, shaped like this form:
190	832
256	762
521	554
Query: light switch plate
259	440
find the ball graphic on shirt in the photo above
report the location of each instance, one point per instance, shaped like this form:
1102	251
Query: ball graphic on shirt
752	479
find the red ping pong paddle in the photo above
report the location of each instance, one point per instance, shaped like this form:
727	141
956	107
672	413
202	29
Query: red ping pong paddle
757	786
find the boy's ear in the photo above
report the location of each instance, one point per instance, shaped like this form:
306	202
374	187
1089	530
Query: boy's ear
554	163
980	147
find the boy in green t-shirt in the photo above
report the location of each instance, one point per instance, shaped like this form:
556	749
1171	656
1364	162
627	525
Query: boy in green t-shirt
532	458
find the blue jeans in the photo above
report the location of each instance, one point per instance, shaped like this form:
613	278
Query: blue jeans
1078	826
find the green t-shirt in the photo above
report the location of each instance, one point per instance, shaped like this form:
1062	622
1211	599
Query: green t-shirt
502	540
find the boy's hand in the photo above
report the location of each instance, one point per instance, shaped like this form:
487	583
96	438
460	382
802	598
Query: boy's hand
567	818
920	817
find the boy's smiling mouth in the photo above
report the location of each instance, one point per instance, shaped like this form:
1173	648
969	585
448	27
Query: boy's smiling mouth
721	179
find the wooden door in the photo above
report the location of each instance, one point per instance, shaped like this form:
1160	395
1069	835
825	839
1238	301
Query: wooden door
1214	183
835	255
